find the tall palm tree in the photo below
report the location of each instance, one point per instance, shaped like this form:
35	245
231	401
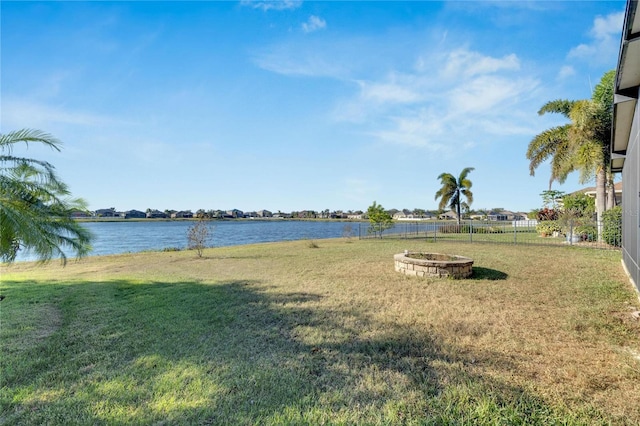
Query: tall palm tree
453	189
581	145
35	205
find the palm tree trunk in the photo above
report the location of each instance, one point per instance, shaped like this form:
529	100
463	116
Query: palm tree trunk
601	179
611	192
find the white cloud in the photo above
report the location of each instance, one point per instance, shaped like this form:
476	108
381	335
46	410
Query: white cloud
272	4
423	129
486	93
388	92
566	71
314	23
604	45
465	63
299	60
463	98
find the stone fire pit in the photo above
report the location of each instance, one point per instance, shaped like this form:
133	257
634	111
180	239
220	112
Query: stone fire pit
433	265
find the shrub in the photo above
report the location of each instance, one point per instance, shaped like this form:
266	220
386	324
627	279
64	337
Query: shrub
454	229
586	232
547	214
612	226
171	249
198	236
548	227
584	205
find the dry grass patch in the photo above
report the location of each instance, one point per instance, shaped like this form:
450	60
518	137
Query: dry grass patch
286	333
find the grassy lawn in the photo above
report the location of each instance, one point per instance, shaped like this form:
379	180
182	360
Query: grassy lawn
290	334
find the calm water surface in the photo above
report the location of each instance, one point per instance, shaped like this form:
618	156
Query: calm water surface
123	237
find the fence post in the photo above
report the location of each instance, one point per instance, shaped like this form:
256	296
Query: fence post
470	232
515	232
359	233
571	232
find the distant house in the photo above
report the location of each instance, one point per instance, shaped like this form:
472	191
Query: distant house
134	214
264	213
402	216
427	215
520	216
184	214
354	216
156	214
591	192
450	215
80	214
235	213
307	214
501	215
281	215
406	214
216	214
105	212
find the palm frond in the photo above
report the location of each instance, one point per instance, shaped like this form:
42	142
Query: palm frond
35	208
27	136
558	106
546	145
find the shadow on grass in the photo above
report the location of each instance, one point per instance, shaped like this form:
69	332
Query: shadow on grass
488	274
233	353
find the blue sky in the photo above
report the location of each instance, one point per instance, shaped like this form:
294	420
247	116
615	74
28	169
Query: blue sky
298	105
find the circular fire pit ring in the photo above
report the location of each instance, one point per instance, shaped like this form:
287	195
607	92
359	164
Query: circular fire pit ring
438	265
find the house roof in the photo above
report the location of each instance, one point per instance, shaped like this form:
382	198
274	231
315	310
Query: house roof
450	213
592	189
626	86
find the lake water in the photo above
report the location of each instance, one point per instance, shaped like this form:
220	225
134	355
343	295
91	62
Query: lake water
136	236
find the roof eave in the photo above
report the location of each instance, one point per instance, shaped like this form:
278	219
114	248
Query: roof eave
627	86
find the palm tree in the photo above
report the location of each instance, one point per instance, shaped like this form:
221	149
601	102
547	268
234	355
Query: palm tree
35	206
452	190
553	143
581	145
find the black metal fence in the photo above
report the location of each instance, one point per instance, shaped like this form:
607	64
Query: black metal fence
500	232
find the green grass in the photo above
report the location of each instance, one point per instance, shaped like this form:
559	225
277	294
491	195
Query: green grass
292	334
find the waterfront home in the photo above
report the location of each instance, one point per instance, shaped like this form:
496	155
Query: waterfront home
156	214
184	214
80	214
450	215
111	212
134	214
234	213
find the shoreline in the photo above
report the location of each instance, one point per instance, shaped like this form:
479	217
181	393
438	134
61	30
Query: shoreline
244	219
